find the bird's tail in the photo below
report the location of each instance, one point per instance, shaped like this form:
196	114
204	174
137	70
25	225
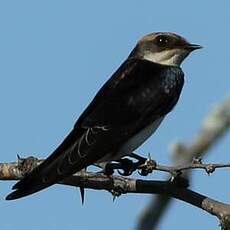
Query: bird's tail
49	172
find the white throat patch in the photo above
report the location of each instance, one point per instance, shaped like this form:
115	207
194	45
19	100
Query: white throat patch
172	57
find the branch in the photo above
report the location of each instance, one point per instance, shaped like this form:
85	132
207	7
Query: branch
121	185
195	164
18	170
213	129
118	185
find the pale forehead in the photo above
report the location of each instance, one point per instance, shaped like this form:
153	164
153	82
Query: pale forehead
152	36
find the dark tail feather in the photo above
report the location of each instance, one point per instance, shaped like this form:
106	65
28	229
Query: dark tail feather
38	179
19	193
46	174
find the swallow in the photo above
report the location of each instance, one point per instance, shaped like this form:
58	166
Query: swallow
125	112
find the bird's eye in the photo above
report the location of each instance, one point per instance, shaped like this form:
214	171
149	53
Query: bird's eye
162	41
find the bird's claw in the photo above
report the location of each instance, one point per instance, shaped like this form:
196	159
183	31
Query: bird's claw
125	167
108	169
128	167
147	168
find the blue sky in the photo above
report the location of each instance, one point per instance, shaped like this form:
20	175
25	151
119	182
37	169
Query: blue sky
54	57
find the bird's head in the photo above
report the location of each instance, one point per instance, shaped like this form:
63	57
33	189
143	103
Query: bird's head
163	48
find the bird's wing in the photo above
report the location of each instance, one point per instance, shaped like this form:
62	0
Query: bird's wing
127	102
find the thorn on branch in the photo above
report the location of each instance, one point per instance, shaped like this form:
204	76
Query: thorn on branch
210	168
82	194
119	188
148	167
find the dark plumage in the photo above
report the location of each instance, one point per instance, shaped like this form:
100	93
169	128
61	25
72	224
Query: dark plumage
138	94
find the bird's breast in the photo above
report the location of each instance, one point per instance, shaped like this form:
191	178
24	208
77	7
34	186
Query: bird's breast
138	139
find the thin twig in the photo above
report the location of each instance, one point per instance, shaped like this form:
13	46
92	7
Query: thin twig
209	168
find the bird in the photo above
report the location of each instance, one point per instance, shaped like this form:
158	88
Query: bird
124	113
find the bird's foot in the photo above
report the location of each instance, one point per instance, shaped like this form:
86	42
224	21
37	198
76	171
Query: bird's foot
109	168
145	165
126	166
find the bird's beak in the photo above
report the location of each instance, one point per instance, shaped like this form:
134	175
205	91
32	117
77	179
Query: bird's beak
192	47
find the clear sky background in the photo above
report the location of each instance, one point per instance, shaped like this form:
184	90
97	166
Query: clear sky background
55	55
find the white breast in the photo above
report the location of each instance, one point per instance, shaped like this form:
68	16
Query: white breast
138	139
